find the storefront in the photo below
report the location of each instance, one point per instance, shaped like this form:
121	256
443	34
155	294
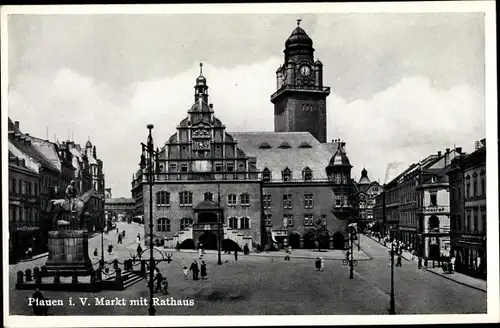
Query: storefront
470	255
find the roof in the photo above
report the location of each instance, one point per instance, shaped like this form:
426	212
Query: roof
16	155
339	158
298	37
48	150
121	200
33	151
364	178
296	158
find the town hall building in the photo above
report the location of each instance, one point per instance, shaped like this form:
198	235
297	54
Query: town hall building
267	189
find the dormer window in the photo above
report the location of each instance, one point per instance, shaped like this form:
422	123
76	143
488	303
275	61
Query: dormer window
284	145
307	174
266	175
304	144
286	175
265	145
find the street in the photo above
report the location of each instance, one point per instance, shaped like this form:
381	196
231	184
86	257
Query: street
269	285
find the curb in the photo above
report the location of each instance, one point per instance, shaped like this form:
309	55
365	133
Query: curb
458	282
36	257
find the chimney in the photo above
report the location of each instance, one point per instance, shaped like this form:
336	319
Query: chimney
16	125
483	141
447	150
211	105
439	153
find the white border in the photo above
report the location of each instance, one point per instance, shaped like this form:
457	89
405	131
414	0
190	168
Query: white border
176	321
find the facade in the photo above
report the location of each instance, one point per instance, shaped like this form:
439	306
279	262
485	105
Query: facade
24	206
467	178
368	191
119	208
96	168
93	210
266	188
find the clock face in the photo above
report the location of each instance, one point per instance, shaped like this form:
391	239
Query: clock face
305	70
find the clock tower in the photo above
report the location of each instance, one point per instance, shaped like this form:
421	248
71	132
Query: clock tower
300	101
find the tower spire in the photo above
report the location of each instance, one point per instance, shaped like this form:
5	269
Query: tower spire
201	69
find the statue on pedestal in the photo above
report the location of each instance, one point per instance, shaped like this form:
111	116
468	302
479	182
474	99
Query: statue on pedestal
71	204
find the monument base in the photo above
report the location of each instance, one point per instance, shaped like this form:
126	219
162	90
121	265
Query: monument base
69	252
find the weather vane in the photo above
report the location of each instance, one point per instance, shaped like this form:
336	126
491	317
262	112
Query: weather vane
298	22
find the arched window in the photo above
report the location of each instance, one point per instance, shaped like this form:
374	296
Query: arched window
186	198
266	174
337	178
434	223
233	222
162	198
163	224
244	223
208	196
307	174
186	223
286	174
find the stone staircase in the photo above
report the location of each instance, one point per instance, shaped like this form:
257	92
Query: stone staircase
129	278
233	234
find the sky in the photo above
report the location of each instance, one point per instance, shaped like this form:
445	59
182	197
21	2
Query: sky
403	86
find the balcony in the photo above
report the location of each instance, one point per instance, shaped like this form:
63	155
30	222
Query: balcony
285	88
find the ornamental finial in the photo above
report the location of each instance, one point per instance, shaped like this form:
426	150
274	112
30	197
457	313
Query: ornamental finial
201	69
298	22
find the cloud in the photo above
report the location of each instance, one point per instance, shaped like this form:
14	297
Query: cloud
403	123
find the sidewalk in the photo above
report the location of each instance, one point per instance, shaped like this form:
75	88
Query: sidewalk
406	255
457	277
460	278
35	257
298	253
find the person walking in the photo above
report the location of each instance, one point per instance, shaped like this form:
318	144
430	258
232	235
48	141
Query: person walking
317	264
119	239
398	263
236	254
159	279
110	248
321	264
194	268
139	251
164	285
203	270
452	264
185	272
39	309
138	238
419	262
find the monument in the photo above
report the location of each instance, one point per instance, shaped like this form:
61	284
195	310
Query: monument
68	241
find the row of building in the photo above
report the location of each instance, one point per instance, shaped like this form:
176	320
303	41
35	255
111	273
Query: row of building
438	206
40	170
266	188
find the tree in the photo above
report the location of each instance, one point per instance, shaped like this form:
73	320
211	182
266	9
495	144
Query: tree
321	233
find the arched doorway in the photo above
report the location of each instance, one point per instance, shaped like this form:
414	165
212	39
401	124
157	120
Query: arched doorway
338	240
208	239
309	239
230	245
187	244
294	240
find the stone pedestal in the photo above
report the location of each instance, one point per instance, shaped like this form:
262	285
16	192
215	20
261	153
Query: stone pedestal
68	252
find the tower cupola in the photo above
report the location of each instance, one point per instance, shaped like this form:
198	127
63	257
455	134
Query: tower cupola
201	87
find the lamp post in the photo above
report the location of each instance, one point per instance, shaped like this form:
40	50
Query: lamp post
392	302
351	260
149	150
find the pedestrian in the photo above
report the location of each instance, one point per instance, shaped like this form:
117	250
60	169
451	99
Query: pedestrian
317	264
452	264
412	251
164	285
425	263
30	252
419	262
138	237
119	239
200	252
178	246
95	252
139	251
398	263
158	278
185	272
321	264
39	309
203	270
110	248
236	254
194	268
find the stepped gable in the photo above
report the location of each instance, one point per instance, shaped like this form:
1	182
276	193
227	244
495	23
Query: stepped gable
296	157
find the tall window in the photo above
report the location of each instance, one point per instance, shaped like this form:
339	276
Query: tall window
12	188
434	224
36	189
163	224
266	175
476	221
186	223
459	222
467	186
483	183
308	201
338	179
287	201
307	174
162	198
338	200
288	218
245	199
268	220
244	223
186	198
433	199
208	196
308	220
344	179
467	220
474	184
231	200
233	223
267	201
20	190
483	220
286	175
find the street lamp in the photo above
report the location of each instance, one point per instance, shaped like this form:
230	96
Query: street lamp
392	302
219	227
151	154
